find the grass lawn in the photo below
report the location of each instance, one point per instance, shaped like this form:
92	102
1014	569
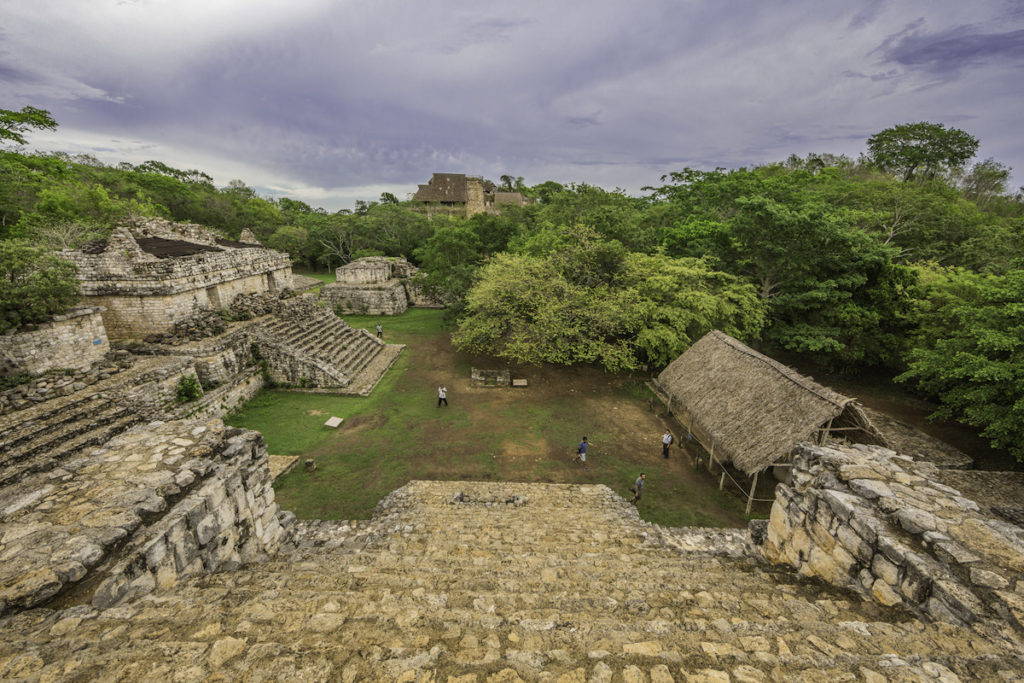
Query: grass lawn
326	278
398	433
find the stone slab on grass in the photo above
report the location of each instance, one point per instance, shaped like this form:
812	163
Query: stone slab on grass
519	383
334	422
281	465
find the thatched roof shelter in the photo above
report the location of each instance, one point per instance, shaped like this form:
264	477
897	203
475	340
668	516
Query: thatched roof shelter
751	409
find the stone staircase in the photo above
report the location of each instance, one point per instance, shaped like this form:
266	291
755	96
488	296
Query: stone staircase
458	581
326	339
39	437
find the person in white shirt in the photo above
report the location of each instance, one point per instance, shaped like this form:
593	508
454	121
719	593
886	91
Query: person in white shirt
666	441
442	396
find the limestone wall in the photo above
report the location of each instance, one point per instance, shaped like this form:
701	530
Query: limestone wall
229	519
160	501
227	398
379	299
75	340
880	524
376	285
134	317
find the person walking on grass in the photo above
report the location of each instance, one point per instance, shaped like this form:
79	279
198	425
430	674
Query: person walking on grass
442	396
380	331
666	441
581	451
638	487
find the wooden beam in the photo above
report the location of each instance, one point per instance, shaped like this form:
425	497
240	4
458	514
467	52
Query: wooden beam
753	488
821	436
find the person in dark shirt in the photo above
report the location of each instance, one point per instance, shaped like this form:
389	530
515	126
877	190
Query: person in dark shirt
638	487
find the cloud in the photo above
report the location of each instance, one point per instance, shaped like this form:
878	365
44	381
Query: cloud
867	15
946	53
332	98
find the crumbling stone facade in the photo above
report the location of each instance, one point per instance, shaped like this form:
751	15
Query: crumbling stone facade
376	285
881	524
75	340
60	526
458	194
152	273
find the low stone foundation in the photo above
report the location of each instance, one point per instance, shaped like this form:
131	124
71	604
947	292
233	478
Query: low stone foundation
881	524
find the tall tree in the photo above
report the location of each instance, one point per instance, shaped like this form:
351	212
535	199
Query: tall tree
923	147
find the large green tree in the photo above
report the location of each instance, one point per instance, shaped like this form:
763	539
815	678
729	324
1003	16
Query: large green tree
969	350
921	148
542	308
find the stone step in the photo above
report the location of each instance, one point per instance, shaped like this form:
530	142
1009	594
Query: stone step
57	415
65	446
50	436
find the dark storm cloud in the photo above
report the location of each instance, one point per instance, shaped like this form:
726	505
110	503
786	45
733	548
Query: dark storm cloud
946	53
335	100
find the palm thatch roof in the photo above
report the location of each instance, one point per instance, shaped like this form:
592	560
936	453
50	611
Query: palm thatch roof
753	409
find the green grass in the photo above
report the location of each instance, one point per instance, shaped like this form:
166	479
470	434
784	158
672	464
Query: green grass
326	278
398	433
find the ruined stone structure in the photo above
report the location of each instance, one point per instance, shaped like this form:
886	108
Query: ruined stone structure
152	273
140	539
487	582
376	285
882	525
458	194
75	340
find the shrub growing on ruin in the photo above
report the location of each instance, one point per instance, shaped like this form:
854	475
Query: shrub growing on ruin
35	285
188	389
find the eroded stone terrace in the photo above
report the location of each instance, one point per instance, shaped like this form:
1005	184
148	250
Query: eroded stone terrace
564	583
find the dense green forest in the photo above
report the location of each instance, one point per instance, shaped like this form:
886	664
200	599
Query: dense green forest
909	259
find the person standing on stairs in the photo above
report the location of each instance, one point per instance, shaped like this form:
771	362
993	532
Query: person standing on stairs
638	487
666	441
380	331
442	396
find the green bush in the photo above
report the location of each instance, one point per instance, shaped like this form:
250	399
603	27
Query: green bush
188	389
35	284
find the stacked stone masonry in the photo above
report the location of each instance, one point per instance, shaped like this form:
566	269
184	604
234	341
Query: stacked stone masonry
881	524
376	285
462	581
60	526
146	289
75	340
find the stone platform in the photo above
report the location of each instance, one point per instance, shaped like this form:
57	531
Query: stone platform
462	581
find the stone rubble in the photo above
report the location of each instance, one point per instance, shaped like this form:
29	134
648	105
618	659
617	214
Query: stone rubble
57	526
569	585
881	524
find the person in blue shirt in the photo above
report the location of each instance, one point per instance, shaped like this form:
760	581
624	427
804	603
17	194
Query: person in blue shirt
581	451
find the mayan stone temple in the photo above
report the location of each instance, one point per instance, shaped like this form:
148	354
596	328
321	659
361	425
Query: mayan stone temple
140	538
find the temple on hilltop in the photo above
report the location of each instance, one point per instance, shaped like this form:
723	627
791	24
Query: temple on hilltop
458	194
151	273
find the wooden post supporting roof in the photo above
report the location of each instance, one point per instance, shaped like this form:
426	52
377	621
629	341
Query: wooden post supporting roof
753	488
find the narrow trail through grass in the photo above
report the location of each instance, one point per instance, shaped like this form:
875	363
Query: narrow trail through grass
399	433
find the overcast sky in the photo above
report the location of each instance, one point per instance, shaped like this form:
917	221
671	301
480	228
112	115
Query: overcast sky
331	101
